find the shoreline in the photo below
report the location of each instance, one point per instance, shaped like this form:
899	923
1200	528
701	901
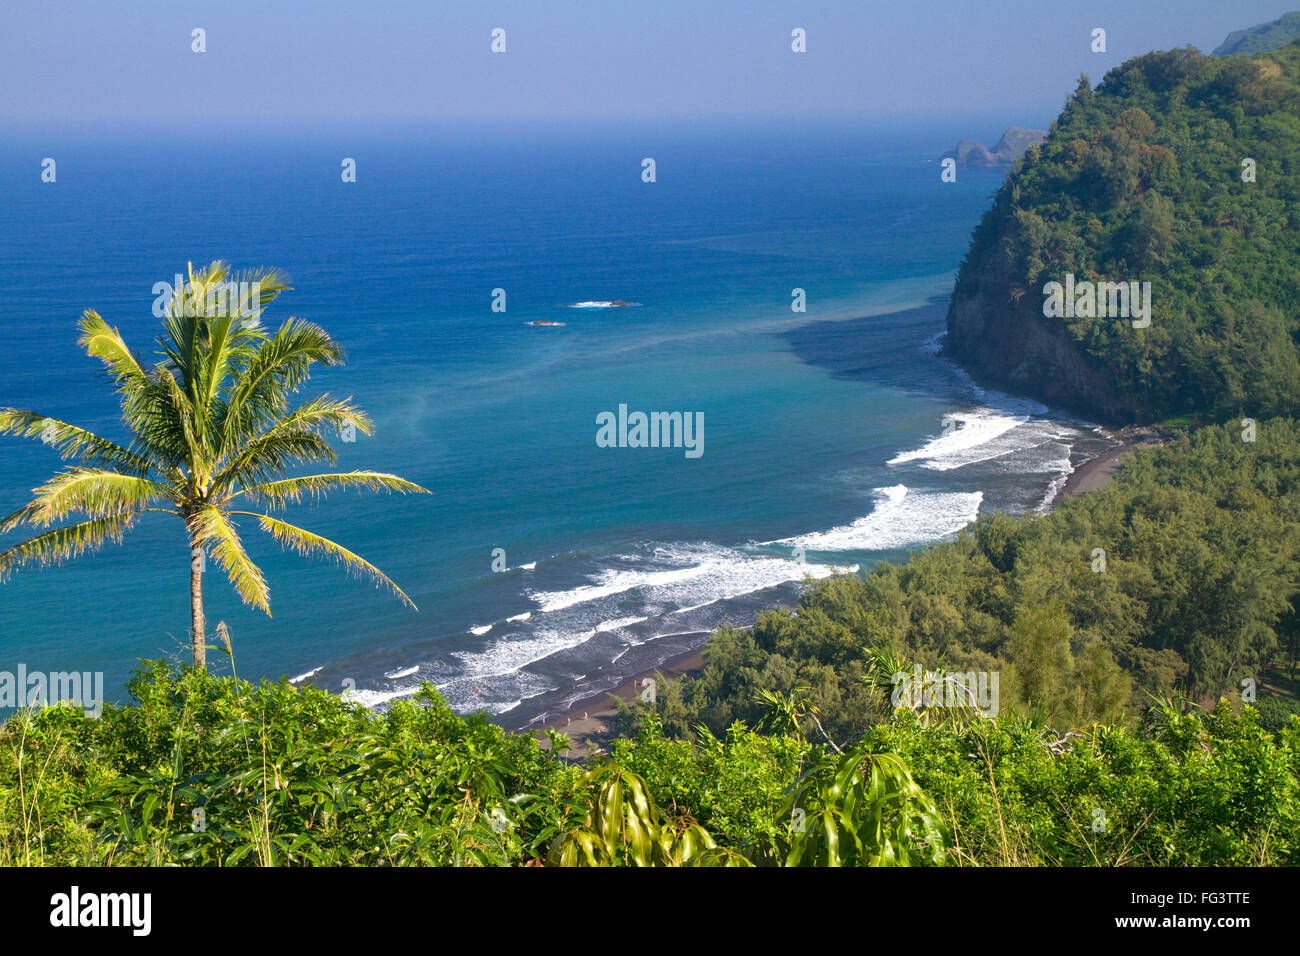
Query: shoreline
1099	470
590	722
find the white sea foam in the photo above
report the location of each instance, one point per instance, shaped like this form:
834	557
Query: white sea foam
504	657
311	673
373	698
614	582
706	573
618	622
401	672
480	630
963	441
902	518
1057	484
529	566
716	574
682	577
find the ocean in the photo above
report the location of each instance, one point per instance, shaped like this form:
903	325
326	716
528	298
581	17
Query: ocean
545	566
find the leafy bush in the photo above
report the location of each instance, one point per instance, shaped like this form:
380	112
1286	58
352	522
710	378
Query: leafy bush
214	771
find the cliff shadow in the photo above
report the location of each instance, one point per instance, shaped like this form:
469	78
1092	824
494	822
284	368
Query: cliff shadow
898	350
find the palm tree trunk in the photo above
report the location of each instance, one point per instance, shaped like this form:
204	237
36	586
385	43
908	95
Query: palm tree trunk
196	609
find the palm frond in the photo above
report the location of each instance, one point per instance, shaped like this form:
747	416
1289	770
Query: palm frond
182	326
177	415
212	333
307	543
278	369
213	531
292	490
26	515
71	442
234	338
296	437
102	341
94	492
270	457
69	541
160	420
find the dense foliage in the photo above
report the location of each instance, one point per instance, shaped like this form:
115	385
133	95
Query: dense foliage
212	771
1142	180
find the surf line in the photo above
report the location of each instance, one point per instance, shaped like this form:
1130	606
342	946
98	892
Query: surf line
655	430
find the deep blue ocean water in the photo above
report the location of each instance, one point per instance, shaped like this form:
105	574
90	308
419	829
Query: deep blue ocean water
832	437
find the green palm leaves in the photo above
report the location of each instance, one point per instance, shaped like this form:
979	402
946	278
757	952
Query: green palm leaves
213	428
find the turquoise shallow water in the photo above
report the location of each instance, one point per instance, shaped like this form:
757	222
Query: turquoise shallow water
831	437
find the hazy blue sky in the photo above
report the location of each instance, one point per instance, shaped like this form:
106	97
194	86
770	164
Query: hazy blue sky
328	60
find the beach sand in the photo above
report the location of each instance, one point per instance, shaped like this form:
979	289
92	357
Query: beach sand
590	724
1097	472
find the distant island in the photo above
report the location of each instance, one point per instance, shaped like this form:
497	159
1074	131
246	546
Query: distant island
1263	38
1009	149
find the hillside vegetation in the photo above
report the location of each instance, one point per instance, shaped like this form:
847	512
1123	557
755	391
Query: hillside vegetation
1267	36
212	771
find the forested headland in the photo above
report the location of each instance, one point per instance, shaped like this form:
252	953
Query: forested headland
1180	170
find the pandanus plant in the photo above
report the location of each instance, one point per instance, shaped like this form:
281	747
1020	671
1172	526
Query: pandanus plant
863	808
624	828
212	433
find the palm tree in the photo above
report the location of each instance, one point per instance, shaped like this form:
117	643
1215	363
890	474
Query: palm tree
211	430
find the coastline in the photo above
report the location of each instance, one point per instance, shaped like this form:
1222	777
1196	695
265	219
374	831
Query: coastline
591	723
1098	471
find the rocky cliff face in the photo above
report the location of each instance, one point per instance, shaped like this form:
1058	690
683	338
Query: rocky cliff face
1016	140
1006	342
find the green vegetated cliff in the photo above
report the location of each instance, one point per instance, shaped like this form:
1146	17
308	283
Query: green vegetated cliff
1179	170
1267	36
